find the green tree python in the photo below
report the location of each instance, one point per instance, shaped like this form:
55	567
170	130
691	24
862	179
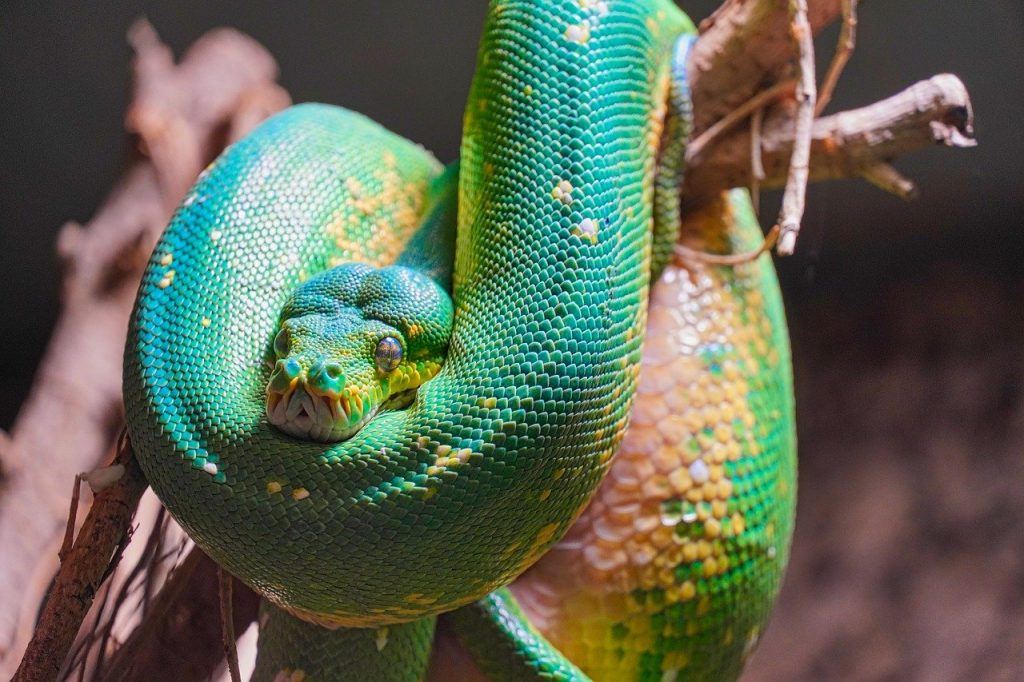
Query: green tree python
367	453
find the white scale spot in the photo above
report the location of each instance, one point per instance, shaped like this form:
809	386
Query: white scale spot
210	468
578	33
699	472
381	638
598	6
588	227
563	192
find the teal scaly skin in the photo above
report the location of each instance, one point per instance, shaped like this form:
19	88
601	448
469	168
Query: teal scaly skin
423	509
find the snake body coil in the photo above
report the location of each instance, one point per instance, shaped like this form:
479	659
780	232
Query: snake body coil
427	508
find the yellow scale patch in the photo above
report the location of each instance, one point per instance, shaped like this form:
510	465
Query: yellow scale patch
666	500
389	206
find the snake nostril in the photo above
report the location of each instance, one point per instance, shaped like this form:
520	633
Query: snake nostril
333	370
327	376
284	372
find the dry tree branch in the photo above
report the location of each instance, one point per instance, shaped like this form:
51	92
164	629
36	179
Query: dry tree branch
88	563
178	639
697	147
888	179
745	47
847	144
124	658
756	163
180	115
795	194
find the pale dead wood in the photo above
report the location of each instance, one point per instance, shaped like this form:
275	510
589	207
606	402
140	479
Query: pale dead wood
847	144
795	195
745	47
181	115
697	147
756	164
888	179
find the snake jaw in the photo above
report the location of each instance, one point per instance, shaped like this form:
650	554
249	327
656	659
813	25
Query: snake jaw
303	412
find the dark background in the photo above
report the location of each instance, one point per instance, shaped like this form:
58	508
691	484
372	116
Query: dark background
907	319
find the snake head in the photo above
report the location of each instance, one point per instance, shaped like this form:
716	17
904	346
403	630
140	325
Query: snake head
352	341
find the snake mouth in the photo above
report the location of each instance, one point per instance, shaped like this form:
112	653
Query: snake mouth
324	418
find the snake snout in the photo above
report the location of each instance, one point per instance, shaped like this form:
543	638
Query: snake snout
314	404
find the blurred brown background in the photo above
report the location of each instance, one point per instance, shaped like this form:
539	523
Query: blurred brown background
907	319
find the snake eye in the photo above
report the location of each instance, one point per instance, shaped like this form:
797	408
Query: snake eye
388	354
282	343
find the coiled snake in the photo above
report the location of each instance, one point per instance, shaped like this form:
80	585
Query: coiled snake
367	454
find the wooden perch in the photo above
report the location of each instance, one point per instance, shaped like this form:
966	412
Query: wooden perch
745	47
845	145
181	116
89	561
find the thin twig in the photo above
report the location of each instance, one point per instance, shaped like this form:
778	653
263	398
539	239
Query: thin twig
227	621
685	254
698	146
844	49
69	530
795	194
756	162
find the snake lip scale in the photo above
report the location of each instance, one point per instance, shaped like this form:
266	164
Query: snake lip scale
301	413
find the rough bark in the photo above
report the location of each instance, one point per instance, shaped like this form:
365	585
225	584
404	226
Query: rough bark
745	46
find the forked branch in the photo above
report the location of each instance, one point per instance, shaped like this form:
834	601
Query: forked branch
849	144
